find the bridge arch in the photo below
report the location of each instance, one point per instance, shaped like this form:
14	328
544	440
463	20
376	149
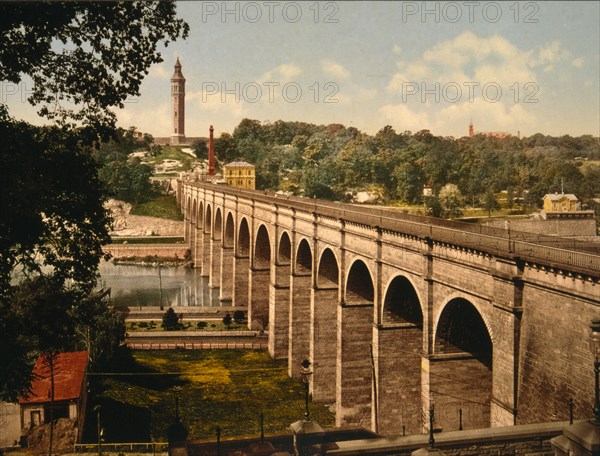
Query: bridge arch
328	271
218	229
243	241
401	303
356	316
200	215
359	283
262	248
303	257
208	220
398	364
229	233
193	212
461	368
323	350
461	297
284	252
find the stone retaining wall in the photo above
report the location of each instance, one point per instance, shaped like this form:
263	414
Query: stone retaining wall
129	251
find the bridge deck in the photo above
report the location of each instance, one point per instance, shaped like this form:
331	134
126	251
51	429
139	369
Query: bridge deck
574	255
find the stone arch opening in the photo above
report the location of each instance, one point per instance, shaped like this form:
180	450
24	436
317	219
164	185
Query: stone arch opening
193	215
401	303
400	346
244	239
229	236
303	257
461	328
218	225
262	248
208	224
461	368
285	249
359	286
188	205
328	274
200	221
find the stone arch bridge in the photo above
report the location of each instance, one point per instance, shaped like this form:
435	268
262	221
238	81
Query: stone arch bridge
395	310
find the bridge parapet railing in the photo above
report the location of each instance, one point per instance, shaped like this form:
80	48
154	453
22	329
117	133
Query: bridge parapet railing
559	251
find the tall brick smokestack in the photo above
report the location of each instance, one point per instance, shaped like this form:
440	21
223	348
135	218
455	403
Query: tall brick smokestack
211	153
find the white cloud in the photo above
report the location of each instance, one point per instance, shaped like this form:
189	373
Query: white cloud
285	72
402	118
468	58
578	62
550	55
160	71
217	102
334	69
397	49
155	120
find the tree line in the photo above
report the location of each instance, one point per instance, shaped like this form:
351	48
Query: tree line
333	161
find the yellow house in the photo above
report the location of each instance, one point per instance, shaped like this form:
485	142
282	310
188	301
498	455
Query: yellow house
560	202
240	174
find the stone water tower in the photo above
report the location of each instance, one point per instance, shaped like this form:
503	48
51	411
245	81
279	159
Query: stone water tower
178	105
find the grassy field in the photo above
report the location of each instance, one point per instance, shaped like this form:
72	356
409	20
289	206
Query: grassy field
163	206
173	153
228	388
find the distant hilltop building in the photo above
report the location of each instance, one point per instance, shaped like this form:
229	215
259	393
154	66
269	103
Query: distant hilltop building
561	202
240	174
178	105
489	134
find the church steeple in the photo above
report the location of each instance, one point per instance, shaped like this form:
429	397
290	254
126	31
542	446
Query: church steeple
178	105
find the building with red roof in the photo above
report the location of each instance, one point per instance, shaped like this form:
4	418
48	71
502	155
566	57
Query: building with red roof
70	390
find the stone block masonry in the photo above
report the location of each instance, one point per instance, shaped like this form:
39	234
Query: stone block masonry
494	326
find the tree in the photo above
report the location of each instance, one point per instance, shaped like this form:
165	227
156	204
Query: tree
50	196
171	321
490	203
225	148
451	201
227	320
111	48
200	148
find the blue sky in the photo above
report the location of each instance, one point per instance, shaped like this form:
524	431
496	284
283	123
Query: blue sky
508	66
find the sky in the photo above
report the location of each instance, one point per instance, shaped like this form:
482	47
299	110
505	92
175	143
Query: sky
518	67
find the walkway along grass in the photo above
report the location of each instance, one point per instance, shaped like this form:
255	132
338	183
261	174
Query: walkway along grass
226	388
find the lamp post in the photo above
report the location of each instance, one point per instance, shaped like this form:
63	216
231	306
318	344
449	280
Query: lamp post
431	420
100	430
595	345
177	390
159	283
306	373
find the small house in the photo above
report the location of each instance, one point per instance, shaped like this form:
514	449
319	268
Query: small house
70	390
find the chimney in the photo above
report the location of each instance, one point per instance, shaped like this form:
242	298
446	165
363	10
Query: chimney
211	153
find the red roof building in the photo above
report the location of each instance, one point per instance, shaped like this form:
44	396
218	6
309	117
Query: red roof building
70	390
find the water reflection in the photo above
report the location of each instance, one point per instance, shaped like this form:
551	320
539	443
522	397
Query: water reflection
139	286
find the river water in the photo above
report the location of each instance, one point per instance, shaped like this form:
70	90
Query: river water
140	286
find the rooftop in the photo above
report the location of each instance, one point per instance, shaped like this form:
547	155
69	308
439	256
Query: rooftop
69	370
240	164
559	196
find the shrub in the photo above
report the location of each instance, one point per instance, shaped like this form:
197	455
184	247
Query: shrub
227	320
143	324
239	316
171	321
201	325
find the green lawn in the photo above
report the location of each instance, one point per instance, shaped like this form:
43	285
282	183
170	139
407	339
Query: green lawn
228	388
163	206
